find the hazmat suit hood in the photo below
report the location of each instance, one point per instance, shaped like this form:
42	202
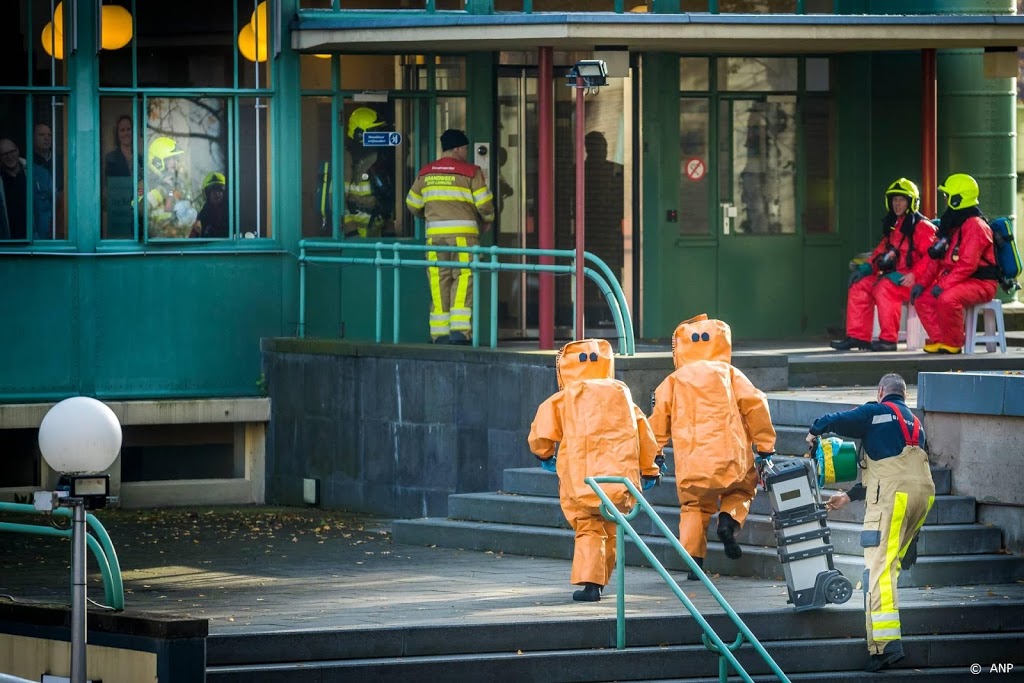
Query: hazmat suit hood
701	339
585	359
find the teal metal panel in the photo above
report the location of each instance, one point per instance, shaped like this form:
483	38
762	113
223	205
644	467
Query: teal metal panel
358	313
40	332
183	325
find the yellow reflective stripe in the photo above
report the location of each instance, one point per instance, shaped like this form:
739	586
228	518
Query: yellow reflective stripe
414	200
461	194
465	230
917	527
324	190
482	196
892	552
463	281
434	278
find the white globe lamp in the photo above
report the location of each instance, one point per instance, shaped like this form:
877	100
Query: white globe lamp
80	435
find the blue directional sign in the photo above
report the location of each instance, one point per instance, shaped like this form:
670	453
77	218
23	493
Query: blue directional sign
381	139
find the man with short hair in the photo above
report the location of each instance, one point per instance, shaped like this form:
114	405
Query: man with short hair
15	192
897	484
453	197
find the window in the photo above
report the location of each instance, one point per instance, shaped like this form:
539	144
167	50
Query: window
366	139
184	112
33	125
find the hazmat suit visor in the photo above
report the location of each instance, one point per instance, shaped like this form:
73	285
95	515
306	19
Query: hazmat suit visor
585	359
701	339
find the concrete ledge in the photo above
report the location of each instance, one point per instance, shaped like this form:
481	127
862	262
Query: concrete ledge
157	494
189	411
975	393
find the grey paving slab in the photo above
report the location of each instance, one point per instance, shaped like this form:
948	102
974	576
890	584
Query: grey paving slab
263	569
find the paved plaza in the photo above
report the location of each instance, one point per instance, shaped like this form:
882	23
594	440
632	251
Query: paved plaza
261	569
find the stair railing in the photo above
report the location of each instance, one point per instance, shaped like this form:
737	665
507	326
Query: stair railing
711	640
391	255
100	545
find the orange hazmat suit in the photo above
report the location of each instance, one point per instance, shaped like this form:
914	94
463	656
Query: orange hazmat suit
601	432
713	414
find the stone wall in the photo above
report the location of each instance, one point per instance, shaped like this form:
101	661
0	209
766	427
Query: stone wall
393	430
975	426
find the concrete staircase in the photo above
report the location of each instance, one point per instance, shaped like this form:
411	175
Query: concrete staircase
524	518
941	642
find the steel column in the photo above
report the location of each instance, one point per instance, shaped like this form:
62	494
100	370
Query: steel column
545	193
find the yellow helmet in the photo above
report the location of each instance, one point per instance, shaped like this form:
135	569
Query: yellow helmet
363	119
161	149
906	188
961	191
213	178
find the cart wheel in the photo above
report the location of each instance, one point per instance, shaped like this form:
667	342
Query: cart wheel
838	590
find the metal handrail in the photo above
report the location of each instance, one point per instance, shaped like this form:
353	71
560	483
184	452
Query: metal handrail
710	639
101	546
602	277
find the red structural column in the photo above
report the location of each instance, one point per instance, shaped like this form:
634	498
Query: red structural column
545	193
580	122
929	183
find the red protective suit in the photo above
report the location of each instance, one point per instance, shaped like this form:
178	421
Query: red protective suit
970	247
713	414
601	432
884	291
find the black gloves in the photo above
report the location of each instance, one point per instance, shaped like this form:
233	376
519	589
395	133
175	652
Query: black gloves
936	291
915	292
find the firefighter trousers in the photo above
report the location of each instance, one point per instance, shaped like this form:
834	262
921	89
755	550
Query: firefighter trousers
451	289
900	492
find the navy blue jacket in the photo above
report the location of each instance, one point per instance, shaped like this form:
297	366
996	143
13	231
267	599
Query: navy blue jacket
874	424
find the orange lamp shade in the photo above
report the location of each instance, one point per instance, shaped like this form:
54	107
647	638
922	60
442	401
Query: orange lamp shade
117	27
247	45
53	43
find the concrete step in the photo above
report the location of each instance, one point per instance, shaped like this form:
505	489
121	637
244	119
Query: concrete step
861	368
534	481
809	657
499	508
276	647
756	561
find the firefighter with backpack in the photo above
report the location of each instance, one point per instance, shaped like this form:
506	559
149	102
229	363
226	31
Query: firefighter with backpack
597	430
964	270
885	280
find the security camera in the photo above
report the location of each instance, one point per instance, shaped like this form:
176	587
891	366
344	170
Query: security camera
482	150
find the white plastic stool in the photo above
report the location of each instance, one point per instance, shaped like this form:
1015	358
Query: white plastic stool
911	330
995	329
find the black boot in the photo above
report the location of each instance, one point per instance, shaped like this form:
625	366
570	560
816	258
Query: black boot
882	345
850	343
590	592
892	653
727	528
910	558
692	575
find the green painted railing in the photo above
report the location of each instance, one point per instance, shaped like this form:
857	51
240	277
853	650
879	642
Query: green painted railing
602	277
102	548
711	640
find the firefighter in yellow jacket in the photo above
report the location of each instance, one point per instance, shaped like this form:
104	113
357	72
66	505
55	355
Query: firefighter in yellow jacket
713	415
601	432
452	195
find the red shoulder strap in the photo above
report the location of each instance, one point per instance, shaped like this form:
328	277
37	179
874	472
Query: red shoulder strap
911	439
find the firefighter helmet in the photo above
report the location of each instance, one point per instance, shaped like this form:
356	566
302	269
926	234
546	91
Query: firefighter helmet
961	191
362	119
905	188
212	179
161	149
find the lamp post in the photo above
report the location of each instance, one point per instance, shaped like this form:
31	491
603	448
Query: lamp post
80	437
586	76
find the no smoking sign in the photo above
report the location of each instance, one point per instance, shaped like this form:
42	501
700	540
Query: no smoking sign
695	169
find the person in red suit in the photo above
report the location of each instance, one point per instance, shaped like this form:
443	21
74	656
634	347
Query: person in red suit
885	281
963	271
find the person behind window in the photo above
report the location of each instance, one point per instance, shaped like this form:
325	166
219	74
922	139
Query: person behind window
369	186
213	217
452	196
42	153
15	184
170	208
885	280
117	162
